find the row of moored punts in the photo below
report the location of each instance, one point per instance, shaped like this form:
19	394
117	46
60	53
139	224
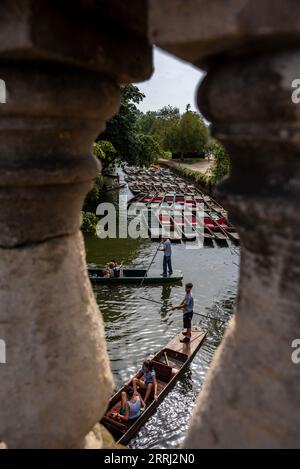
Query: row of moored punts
185	217
177	209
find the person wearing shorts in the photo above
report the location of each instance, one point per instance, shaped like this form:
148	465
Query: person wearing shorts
187	306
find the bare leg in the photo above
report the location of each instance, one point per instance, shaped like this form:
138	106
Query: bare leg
189	332
123	399
137	382
148	391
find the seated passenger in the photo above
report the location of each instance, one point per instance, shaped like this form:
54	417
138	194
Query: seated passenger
150	382
111	269
131	406
114	268
105	273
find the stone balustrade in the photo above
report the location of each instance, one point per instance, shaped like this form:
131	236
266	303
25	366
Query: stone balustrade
250	52
61	72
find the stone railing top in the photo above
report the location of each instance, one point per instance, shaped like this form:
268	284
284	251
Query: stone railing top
195	30
92	33
78	33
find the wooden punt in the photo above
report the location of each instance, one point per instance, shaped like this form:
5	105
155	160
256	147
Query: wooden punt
152	223
116	187
133	276
170	363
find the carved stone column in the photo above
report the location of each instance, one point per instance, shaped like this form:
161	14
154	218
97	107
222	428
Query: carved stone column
61	88
56	382
250	396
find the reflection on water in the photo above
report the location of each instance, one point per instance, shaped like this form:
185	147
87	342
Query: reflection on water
136	329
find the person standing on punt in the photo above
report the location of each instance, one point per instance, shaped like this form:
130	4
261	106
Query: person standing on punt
187	306
167	263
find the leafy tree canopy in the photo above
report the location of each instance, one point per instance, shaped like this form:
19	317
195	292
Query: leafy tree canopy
121	130
221	165
188	134
149	150
105	151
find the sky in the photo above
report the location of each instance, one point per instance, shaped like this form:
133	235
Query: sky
173	82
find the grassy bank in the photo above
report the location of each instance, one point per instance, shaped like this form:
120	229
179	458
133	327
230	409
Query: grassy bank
200	180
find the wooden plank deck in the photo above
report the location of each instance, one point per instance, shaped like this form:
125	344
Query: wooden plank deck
190	348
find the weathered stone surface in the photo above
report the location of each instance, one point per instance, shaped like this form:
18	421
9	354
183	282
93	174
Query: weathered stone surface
57	379
79	35
62	67
195	30
250	397
47	127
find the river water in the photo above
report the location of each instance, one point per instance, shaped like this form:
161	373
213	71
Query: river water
136	329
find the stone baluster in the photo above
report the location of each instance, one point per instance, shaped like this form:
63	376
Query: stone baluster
250	397
61	87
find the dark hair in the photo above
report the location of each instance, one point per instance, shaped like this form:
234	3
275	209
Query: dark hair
189	285
148	364
129	391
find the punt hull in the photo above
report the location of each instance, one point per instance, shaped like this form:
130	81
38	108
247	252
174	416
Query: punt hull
184	352
134	276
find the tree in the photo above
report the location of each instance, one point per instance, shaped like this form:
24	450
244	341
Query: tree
149	150
146	123
221	165
93	196
122	129
89	223
157	123
105	151
168	112
189	134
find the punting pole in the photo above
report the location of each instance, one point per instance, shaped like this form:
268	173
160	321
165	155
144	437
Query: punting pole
150	264
198	314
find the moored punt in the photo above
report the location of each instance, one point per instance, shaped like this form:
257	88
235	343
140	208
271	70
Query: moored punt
169	364
116	187
233	234
133	276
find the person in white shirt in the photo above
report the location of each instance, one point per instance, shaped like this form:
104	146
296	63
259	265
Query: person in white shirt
167	263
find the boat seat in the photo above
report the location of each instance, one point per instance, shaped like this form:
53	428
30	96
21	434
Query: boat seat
160	386
163	372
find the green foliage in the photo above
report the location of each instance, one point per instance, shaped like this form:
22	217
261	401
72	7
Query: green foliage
200	179
122	130
158	123
89	223
167	155
188	134
148	150
105	151
92	198
168	112
175	133
221	164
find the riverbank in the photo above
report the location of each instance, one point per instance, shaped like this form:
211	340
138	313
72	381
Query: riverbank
199	173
